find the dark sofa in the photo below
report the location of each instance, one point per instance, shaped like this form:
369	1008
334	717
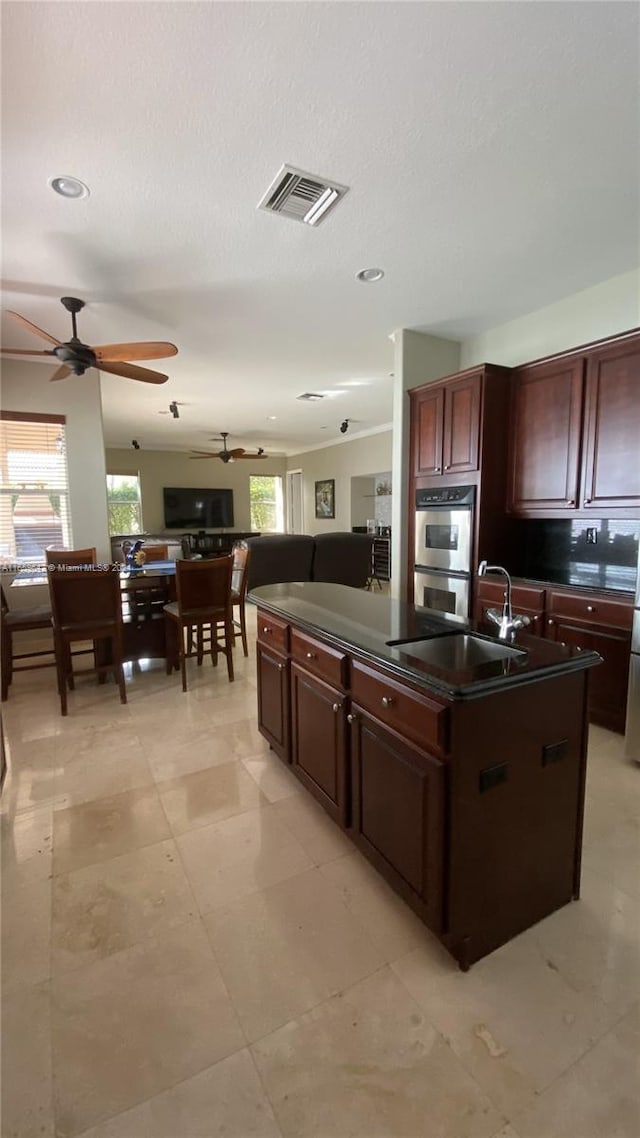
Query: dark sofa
341	558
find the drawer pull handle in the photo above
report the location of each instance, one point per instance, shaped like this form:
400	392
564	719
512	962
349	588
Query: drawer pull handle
586	501
549	622
266	629
311	655
388	701
591	608
351	718
571	501
336	708
281	667
447	466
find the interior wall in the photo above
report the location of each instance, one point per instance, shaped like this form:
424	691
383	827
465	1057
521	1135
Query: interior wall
418	358
26	387
604	310
341	462
159	468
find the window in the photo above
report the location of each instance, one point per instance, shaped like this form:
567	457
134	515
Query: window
123	504
267	503
34	487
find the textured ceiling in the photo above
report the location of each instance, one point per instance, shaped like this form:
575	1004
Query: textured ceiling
491	152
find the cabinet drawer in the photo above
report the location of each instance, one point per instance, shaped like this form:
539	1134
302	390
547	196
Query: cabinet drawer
591	608
318	658
522	596
414	716
272	631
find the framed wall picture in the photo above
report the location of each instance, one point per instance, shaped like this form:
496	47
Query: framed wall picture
326	498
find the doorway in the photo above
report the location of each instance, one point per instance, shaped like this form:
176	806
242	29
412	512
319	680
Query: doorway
295	499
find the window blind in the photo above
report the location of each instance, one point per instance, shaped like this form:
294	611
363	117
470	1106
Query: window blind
34	487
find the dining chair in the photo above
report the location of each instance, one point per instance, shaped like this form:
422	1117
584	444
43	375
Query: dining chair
69	558
86	605
203	590
21	620
239	579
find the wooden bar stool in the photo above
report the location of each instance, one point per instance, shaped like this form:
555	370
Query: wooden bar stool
22	620
86	605
204	598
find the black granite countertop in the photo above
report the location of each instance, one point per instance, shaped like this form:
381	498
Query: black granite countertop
371	625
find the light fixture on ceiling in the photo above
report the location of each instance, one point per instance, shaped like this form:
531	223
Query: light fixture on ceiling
69	187
135	444
370	276
173	407
344	426
272	418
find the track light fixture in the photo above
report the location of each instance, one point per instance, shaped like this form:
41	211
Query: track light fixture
173	407
344	426
135	444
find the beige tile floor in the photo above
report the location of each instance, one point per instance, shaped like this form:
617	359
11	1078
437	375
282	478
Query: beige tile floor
192	949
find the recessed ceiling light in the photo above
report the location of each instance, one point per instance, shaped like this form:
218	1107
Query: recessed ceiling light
369	276
69	187
272	418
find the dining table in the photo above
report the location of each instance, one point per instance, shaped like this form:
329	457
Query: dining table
144	589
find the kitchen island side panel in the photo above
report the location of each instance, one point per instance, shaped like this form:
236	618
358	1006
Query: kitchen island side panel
517	779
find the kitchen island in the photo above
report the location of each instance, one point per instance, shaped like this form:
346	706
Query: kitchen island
455	762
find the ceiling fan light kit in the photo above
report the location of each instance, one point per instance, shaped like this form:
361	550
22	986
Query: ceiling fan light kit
75	357
227	455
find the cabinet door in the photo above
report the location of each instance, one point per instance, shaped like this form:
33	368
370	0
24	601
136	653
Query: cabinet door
611	471
608	681
273	700
318	741
461	424
428	415
546	424
398	813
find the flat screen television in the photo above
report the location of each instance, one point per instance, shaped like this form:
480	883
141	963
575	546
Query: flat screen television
188	508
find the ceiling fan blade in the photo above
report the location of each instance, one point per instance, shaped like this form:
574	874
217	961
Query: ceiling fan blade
237	452
147	350
60	373
22	352
33	327
130	371
203	454
252	456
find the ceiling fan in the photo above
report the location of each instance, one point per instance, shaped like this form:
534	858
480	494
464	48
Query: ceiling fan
228	455
75	357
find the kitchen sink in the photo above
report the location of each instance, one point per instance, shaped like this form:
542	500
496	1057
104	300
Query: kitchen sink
461	651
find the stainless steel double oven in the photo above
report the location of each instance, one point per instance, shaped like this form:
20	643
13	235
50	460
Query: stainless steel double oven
444	526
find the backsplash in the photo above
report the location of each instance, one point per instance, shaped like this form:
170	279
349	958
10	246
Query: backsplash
565	552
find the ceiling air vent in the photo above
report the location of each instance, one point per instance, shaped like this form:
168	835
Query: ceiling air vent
310	397
304	197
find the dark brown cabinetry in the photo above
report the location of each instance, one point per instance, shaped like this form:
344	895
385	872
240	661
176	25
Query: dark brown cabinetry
611	468
605	626
574	431
470	808
584	619
273	683
526	600
318	722
446	419
398	812
546	422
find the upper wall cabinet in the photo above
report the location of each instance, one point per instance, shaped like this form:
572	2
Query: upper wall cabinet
546	421
446	425
611	466
574	438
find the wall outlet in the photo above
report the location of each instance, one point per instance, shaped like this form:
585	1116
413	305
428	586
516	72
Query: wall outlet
592	535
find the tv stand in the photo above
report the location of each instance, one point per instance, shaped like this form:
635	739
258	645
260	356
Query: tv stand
215	543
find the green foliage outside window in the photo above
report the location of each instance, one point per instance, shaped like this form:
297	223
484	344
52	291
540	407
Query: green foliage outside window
265	494
123	505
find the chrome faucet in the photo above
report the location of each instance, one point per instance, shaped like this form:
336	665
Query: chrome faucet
507	623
